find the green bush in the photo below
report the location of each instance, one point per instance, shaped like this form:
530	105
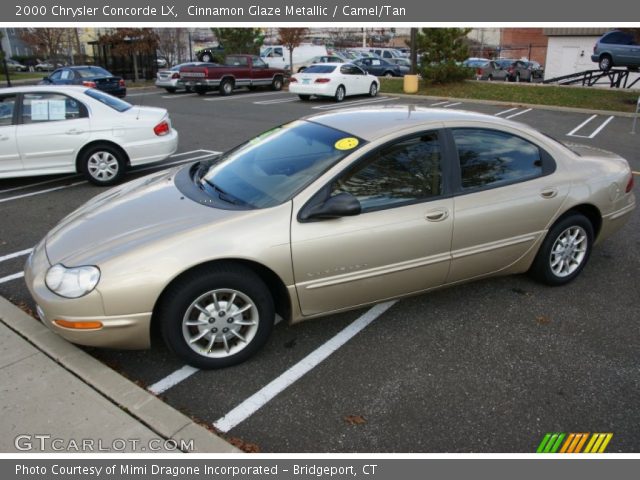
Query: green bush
445	72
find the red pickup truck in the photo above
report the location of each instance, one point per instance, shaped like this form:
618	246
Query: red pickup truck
237	71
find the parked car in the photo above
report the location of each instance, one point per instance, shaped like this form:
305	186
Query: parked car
520	71
47	66
537	70
170	79
380	67
337	80
401	62
88	76
322	59
475	62
161	62
617	49
277	56
324	214
210	54
14	66
387	53
237	71
492	70
67	129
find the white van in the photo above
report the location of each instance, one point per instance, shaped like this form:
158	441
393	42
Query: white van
277	56
384	52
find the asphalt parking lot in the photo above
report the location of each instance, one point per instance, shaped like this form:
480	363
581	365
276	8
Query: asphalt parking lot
489	366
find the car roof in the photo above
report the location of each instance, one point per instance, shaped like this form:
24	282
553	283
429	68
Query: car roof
373	122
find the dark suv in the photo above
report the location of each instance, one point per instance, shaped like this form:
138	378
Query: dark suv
616	49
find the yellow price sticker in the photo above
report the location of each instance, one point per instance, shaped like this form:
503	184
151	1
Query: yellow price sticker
348	143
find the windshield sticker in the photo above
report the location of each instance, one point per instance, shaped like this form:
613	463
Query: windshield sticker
348	143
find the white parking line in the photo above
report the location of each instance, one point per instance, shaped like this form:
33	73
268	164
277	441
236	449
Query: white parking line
8	278
16	254
246	95
356	103
452	105
40	192
570	134
519	113
174	96
151	167
439	103
256	401
278	100
144	94
58	179
573	133
505	111
176	377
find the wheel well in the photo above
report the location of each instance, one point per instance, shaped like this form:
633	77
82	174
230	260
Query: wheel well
231	79
95	144
592	213
276	286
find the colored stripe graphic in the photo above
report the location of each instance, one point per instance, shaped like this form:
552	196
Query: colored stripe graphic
557	442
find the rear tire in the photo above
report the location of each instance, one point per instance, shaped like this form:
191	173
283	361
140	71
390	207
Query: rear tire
218	317
565	250
605	63
170	90
206	57
226	87
103	165
200	90
305	98
340	94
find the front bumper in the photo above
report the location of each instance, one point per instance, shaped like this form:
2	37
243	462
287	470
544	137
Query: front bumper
122	331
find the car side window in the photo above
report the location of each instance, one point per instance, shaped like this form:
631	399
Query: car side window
492	158
57	75
404	172
66	75
50	107
7	106
257	62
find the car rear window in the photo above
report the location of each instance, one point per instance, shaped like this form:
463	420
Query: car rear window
320	69
92	72
109	100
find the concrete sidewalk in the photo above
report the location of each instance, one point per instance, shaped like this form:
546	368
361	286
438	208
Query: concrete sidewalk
56	397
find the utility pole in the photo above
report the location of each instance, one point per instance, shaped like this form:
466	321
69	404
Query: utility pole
414	53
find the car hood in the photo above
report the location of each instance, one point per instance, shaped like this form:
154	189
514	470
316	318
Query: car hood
127	217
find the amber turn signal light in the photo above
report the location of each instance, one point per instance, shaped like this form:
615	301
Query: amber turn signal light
78	325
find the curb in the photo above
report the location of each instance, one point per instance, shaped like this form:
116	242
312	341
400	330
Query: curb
517	104
135	401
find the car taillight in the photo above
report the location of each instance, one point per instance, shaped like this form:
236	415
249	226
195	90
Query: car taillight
162	128
479	71
175	75
629	185
121	82
293	80
322	80
89	84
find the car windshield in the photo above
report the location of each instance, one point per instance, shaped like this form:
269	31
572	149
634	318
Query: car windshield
109	100
320	69
92	72
271	168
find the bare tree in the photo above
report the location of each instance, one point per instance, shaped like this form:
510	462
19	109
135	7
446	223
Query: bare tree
46	42
132	42
171	44
291	38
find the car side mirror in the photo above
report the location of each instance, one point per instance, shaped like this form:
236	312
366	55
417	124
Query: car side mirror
46	79
342	205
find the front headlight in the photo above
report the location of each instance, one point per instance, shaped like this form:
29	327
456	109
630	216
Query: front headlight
72	282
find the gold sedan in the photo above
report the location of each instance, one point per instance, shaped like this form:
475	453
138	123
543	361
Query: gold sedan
324	214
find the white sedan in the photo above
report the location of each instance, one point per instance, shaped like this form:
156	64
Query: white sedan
335	80
51	130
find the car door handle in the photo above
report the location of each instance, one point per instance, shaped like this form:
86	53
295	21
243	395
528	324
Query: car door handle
74	131
437	215
550	192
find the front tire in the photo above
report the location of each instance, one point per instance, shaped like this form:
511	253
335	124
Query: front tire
340	94
218	317
565	251
226	87
373	89
103	165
